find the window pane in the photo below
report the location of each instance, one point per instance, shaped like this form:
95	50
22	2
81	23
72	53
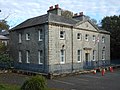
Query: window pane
62	56
20	56
40	32
79	55
27	56
62	34
40	57
20	38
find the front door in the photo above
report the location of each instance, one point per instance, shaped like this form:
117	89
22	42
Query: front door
87	59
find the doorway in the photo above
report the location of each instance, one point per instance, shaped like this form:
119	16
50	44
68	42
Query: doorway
87	59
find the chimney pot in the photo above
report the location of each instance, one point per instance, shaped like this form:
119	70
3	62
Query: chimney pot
57	6
75	14
81	13
51	7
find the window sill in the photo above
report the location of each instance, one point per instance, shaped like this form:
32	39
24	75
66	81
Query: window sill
40	40
62	62
28	62
40	63
79	61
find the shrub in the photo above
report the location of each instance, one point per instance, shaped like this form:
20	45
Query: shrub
35	83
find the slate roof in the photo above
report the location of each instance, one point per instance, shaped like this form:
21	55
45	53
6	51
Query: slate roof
50	18
3	37
4	33
43	19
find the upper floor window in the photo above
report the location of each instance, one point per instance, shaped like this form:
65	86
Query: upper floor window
62	56
20	56
62	34
103	39
86	37
94	37
27	36
27	56
40	54
79	36
20	37
79	55
40	35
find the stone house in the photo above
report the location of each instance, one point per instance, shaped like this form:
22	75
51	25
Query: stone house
52	43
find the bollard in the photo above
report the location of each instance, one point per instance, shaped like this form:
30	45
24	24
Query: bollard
111	69
103	72
94	71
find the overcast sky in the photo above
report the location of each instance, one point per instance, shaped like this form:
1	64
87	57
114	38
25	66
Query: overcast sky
20	10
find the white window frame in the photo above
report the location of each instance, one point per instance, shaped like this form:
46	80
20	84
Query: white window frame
20	38
62	35
94	55
40	35
20	56
27	56
103	54
94	38
79	56
79	36
40	53
62	56
27	36
86	37
5	42
103	39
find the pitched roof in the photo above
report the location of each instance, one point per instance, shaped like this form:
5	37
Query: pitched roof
43	19
3	37
50	18
32	22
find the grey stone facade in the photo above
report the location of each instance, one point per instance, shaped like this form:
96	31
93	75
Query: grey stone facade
77	54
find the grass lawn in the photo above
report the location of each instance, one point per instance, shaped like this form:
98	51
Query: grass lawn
9	87
15	87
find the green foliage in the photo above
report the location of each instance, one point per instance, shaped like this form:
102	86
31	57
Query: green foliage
5	60
3	48
35	83
9	87
3	25
112	24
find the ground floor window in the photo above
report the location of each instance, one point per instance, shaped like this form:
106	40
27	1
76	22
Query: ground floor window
94	55
40	54
103	54
79	55
62	56
20	56
27	56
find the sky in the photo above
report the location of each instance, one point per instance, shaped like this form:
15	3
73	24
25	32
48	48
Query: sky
18	11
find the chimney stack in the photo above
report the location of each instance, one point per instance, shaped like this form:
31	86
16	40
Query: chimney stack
51	7
57	6
81	13
55	10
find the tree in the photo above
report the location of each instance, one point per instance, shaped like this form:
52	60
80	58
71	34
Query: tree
35	83
3	24
5	60
92	20
112	24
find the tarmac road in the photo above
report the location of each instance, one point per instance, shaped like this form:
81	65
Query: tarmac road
110	81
